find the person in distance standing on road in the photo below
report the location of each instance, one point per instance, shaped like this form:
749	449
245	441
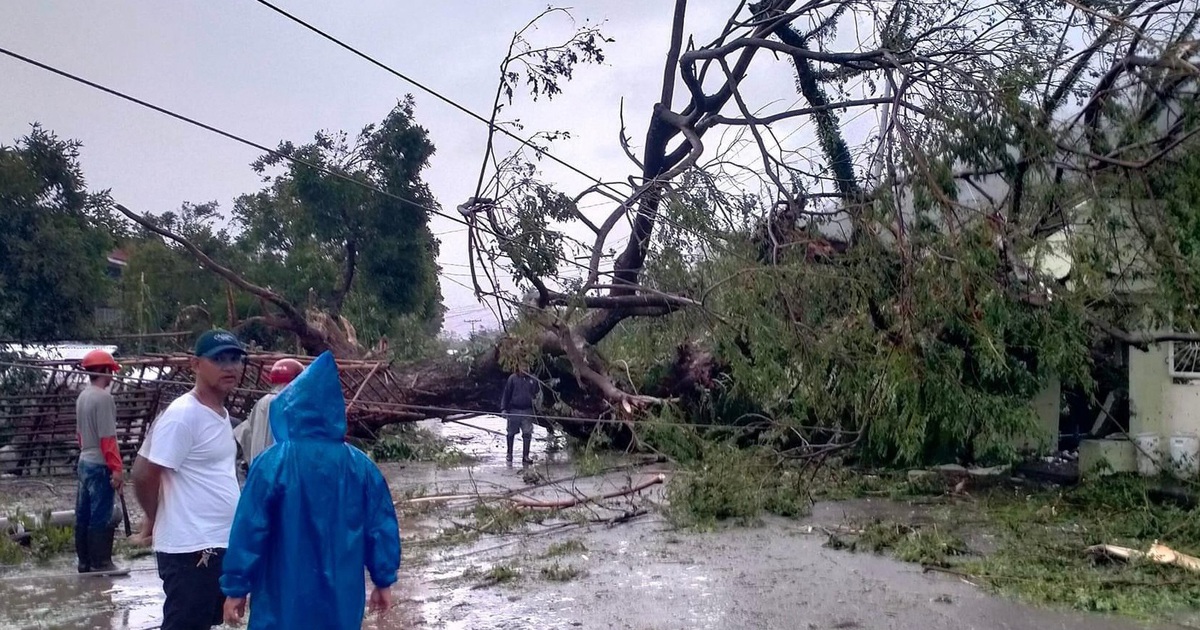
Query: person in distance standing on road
517	406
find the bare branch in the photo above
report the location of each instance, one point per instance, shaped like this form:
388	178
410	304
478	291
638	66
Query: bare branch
293	320
208	263
1143	340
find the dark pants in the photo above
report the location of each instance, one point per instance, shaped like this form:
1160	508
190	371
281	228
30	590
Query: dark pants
93	509
94	500
520	420
191	582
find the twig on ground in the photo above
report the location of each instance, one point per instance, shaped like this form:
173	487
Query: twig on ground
566	503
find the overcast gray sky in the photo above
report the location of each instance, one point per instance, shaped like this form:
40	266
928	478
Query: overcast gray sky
239	66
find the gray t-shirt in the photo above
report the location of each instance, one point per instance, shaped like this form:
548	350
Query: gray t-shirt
95	418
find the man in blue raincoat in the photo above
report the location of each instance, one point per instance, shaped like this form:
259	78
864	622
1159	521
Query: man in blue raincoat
313	513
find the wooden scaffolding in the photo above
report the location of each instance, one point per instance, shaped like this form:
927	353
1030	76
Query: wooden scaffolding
37	425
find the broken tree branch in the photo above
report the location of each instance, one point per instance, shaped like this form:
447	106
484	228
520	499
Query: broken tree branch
575	501
1141	341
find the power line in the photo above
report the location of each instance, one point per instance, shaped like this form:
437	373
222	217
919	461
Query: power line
260	147
445	99
465	110
456	105
293	159
221	132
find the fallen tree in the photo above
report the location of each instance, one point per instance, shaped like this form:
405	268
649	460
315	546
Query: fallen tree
913	248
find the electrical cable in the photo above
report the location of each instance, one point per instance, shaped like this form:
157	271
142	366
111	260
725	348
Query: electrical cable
467	111
258	146
449	101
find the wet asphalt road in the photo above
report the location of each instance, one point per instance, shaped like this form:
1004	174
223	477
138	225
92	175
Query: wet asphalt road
634	576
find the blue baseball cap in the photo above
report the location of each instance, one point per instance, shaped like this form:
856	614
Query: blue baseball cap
213	342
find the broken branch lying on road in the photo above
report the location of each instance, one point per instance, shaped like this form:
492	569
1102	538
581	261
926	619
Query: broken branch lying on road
541	505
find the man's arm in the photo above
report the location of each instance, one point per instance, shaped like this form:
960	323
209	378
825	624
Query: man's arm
106	428
167	445
382	531
507	396
147	481
251	527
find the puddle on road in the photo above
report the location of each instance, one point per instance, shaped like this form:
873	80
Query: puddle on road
53	596
60	600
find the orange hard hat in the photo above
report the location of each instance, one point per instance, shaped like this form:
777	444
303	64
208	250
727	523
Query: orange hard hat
99	359
285	370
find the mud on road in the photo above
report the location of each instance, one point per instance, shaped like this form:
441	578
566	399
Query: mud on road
615	564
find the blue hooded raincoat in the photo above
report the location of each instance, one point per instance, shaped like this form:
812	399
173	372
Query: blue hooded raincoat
314	512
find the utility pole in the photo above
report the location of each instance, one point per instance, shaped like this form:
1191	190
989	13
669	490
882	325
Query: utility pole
472	322
885	131
141	311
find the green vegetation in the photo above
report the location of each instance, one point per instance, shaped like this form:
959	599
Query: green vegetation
1036	541
729	483
321	239
11	553
502	573
448	537
370	257
501	518
590	456
47	542
403	442
44	543
54	237
1042	537
1024	542
924	545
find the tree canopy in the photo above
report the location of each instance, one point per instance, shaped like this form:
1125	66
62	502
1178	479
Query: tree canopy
312	231
54	239
339	231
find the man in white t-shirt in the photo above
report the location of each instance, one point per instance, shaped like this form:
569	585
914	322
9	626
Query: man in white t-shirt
185	478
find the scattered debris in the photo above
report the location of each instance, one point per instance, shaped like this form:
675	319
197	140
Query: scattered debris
499	574
561	573
573	545
1158	553
993	471
536	504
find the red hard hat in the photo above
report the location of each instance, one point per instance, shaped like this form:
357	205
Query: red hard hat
99	359
285	370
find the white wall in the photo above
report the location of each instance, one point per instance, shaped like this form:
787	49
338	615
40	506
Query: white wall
1159	403
1181	408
